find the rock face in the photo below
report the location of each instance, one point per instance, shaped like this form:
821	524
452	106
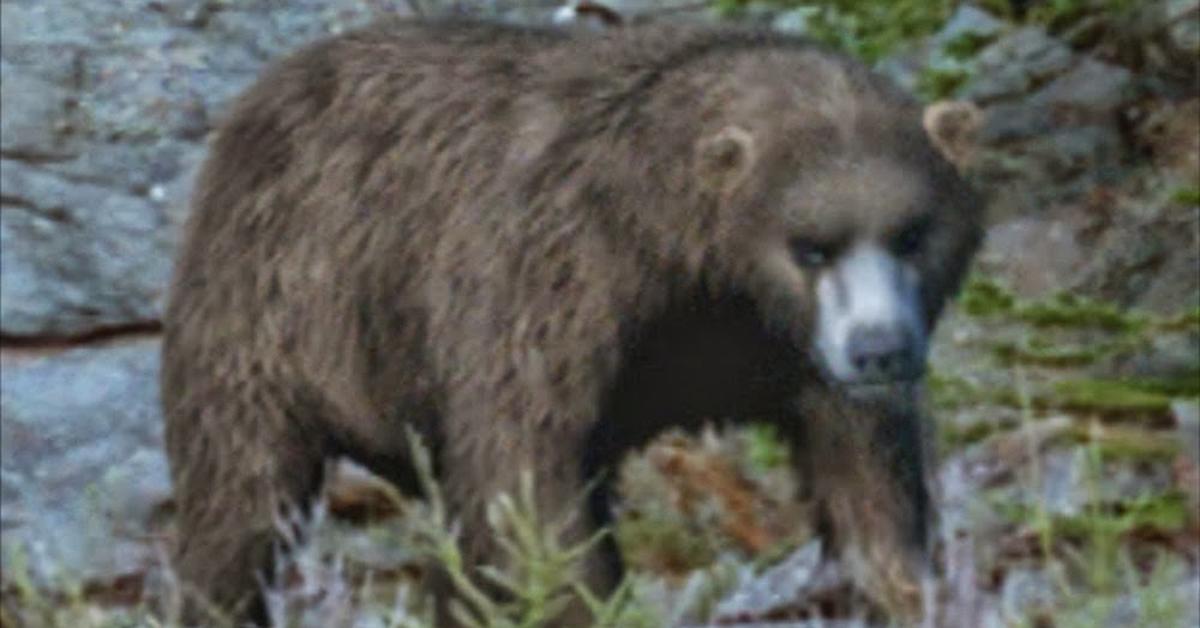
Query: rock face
84	479
106	106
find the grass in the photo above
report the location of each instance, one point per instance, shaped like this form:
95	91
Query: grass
533	580
1089	555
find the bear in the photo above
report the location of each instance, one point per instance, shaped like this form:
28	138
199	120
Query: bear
539	248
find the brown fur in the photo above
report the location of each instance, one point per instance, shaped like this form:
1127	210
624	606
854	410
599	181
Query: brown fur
538	249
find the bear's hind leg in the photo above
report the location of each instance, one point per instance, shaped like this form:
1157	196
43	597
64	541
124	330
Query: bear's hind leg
239	458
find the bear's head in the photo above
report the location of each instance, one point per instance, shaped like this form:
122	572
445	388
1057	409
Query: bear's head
842	212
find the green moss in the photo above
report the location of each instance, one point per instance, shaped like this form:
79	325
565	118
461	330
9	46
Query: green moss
1009	353
939	84
999	8
950	391
1107	396
868	29
1186	195
982	296
967	45
1068	310
1059	14
1184	321
1123	443
952	437
1133	391
1114	398
1139	446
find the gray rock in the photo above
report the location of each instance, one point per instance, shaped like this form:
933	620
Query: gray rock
1187	426
1183	31
968	20
795	21
1026	591
34	113
906	65
785	585
1016	63
83	471
105	105
1070	482
78	257
1033	255
1091	89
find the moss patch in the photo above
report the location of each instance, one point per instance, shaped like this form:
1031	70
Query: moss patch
1111	398
952	437
1067	310
982	296
967	45
985	297
1036	353
1107	396
1186	195
938	84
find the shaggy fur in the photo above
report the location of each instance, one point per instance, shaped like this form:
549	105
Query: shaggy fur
539	249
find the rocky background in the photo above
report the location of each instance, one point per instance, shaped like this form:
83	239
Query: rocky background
1066	381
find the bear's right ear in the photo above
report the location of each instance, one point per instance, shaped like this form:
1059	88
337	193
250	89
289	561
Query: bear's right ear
953	127
724	159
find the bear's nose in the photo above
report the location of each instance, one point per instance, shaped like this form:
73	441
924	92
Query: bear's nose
880	352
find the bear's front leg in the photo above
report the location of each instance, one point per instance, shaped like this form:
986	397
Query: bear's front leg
864	464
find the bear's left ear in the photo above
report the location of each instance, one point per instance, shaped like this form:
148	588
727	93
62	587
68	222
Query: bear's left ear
724	159
953	127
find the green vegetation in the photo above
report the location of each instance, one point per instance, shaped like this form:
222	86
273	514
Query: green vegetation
1058	14
982	296
1187	196
1090	555
1113	398
764	449
658	542
1040	352
985	297
1108	396
540	574
939	84
967	45
952	437
868	29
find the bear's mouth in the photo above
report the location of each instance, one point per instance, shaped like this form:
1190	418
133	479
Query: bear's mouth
874	389
883	391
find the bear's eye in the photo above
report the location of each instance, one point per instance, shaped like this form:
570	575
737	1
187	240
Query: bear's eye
811	254
909	240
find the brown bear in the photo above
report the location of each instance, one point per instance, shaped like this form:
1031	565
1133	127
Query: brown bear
540	248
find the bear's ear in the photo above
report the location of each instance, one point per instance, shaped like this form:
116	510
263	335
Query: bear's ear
724	158
953	127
